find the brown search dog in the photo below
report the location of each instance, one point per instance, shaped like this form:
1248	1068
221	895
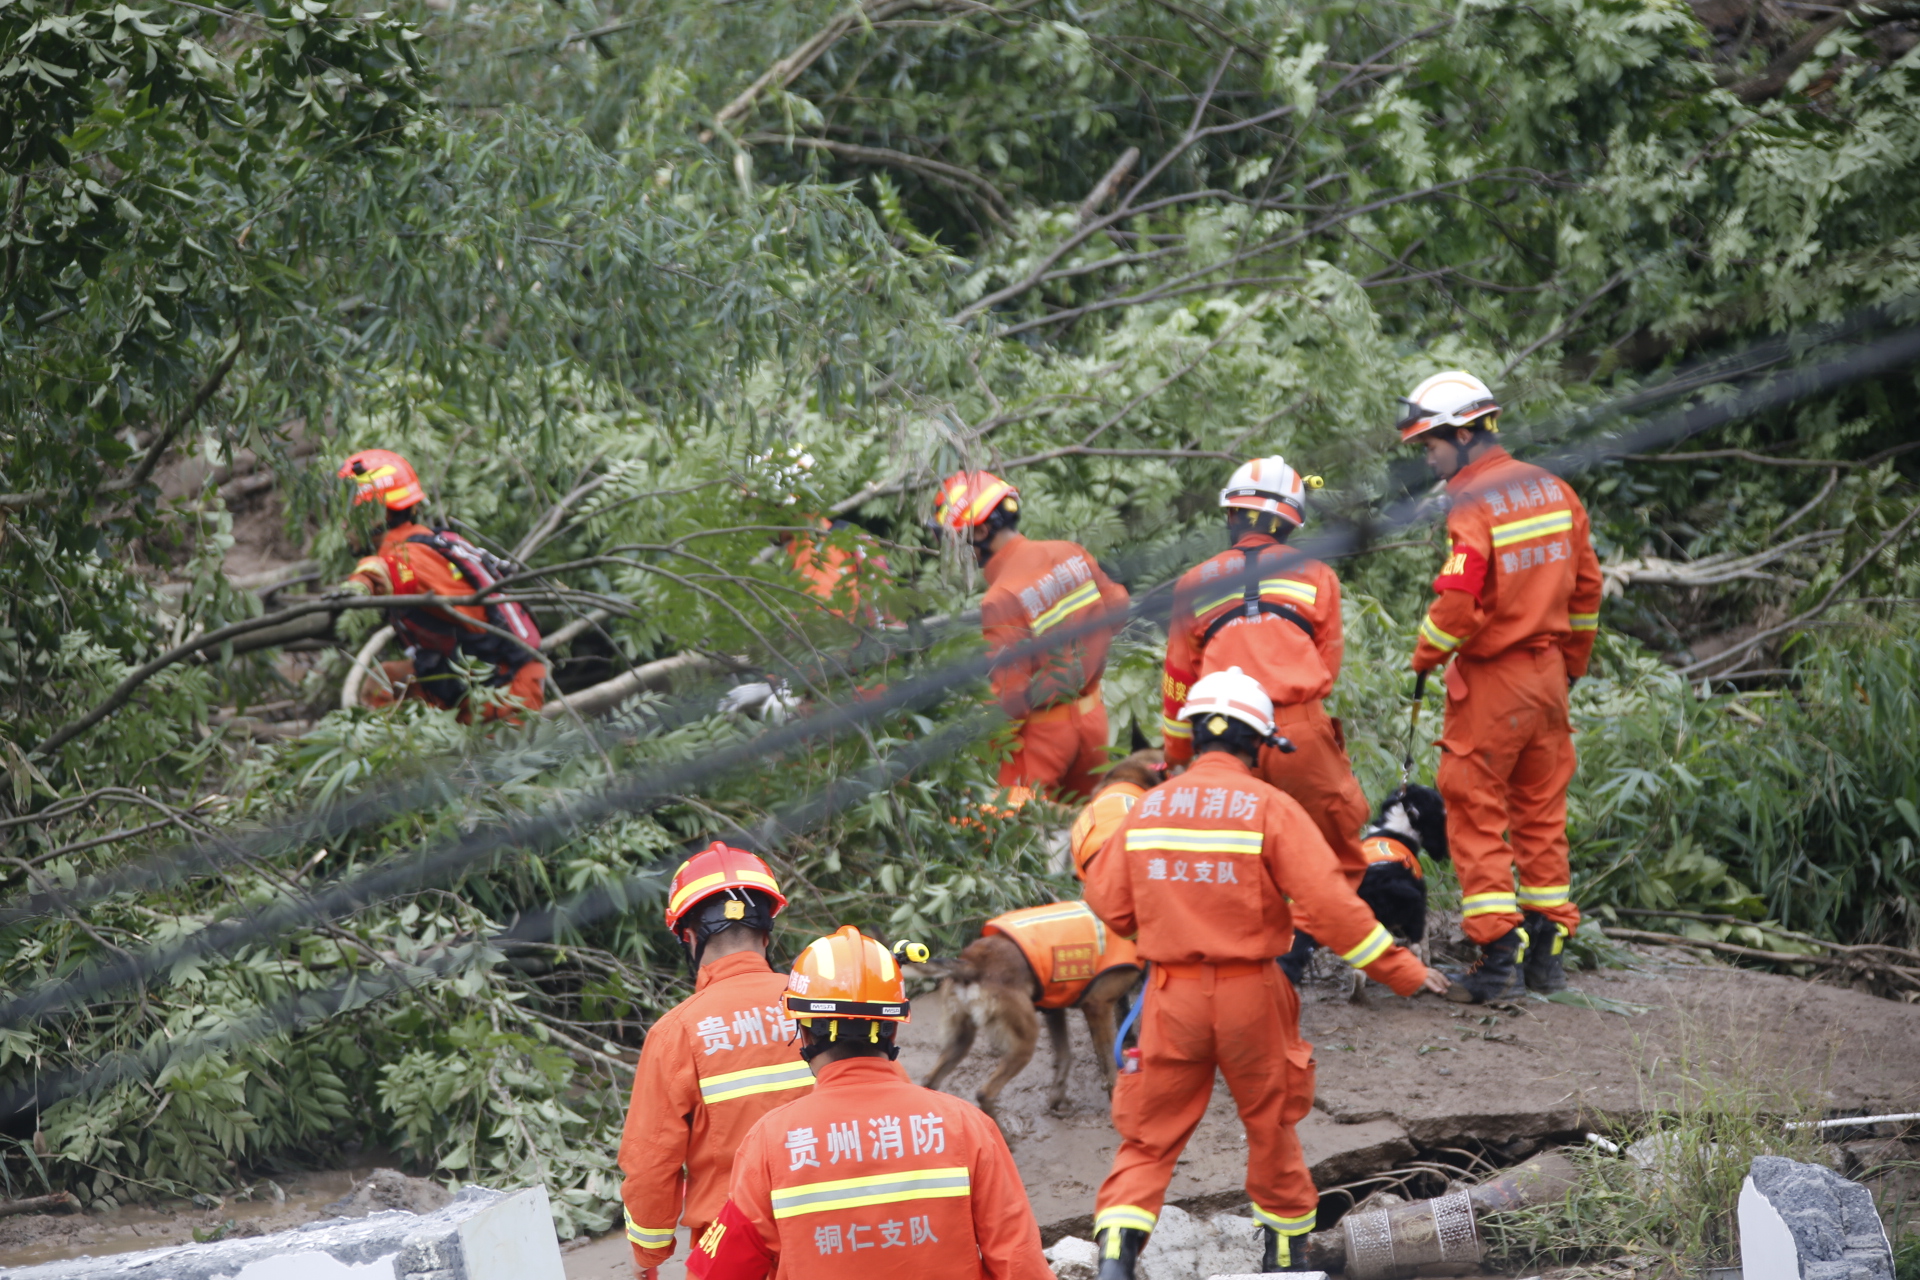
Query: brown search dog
1035	965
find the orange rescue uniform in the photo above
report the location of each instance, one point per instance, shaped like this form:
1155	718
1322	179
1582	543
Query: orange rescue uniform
1099	819
1289	638
875	1176
402	567
1518	607
1052	696
1200	874
1067	947
710	1069
841	576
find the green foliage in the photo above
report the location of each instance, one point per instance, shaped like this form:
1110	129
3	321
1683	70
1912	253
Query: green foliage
643	348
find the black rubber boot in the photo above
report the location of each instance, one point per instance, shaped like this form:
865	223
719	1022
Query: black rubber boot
1496	974
1119	1249
1294	963
1546	972
1280	1253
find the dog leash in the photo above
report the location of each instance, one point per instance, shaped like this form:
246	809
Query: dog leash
1413	727
1133	1016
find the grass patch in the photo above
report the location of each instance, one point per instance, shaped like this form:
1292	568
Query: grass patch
1711	1101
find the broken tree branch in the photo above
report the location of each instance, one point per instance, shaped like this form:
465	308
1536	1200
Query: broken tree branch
164	441
1103	190
1826	601
948	175
788	69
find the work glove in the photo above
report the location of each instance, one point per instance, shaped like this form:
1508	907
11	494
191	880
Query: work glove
347	590
762	699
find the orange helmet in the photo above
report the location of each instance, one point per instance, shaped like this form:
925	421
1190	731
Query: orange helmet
846	975
721	868
381	473
967	498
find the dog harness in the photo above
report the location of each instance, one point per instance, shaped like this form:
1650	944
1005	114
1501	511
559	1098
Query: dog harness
1066	945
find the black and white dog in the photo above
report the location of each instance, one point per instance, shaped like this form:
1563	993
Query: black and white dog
1411	821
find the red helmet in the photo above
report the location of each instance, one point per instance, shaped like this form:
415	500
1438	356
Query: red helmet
967	498
381	473
716	869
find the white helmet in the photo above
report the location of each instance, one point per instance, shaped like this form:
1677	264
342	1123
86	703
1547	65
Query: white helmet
1231	693
1452	399
1270	485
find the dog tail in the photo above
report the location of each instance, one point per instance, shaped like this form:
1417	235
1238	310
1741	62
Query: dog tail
939	968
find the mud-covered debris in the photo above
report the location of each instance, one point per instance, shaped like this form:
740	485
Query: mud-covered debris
386	1189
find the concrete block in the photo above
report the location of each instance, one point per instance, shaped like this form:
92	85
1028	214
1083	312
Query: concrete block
480	1235
1802	1222
1184	1247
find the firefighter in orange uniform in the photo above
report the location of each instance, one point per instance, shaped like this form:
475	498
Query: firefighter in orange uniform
871	1174
1518	608
1275	614
1200	874
1053	697
841	576
716	1062
411	560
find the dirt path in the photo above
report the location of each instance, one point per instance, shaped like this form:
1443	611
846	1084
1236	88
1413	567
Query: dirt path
1505	1080
1396	1078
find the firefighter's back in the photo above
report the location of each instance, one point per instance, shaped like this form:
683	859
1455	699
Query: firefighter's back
874	1173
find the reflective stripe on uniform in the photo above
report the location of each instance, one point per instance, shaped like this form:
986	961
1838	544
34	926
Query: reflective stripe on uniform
1130	1217
1175	728
1079	598
1532	527
1178	840
881	1188
1286	588
742	1084
1285	1226
1545	895
1488	904
1436	637
1370	949
647	1237
1584	621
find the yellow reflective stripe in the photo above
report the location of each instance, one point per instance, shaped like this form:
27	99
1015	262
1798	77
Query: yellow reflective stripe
693	887
1285	1226
1532	527
1304	592
1298	592
1370	949
697	888
1436	637
741	1084
1072	911
1128	1216
1074	601
1584	621
881	1188
1487	904
1178	840
1175	728
1545	895
647	1237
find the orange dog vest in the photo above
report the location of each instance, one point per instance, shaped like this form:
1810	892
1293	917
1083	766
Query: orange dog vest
1068	947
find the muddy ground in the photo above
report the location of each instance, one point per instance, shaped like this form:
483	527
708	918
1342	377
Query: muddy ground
1397	1079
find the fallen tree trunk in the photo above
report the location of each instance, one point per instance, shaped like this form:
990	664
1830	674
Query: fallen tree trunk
604	697
40	1204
